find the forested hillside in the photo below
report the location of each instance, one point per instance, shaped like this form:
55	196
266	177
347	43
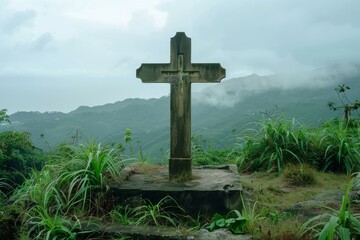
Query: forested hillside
216	112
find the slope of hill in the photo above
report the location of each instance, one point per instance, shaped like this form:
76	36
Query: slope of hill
216	111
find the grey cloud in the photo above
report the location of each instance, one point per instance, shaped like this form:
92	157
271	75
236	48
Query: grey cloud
42	41
17	20
230	92
286	38
310	33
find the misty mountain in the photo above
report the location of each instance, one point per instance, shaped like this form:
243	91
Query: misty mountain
216	111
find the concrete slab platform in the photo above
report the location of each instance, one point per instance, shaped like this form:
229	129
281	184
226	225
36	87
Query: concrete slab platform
211	189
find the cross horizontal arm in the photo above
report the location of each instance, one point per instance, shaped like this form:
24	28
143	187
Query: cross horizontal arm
152	73
200	73
207	72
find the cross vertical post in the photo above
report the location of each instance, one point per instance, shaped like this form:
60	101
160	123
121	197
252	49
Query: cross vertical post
180	73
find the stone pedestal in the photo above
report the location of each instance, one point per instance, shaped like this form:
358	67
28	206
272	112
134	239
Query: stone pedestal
212	189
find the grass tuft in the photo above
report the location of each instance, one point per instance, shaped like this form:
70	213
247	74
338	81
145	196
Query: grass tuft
300	175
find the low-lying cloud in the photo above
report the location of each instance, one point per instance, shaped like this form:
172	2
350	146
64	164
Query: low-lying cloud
228	93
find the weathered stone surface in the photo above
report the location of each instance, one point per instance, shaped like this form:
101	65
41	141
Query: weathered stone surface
314	206
180	73
211	189
134	232
106	230
219	234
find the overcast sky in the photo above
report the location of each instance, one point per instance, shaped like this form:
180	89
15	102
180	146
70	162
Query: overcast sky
56	55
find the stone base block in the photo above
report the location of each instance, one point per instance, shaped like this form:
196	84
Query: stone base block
212	189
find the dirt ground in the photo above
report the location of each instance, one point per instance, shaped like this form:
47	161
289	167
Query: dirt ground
286	207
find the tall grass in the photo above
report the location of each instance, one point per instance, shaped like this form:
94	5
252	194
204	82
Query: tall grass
43	224
276	142
342	147
204	153
72	184
165	212
272	144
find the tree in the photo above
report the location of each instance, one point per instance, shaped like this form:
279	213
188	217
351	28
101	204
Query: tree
18	156
344	103
3	116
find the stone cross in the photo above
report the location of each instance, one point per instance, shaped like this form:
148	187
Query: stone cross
180	73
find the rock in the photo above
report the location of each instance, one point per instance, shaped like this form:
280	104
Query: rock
219	234
133	232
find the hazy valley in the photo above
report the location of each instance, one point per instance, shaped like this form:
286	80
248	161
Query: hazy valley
216	112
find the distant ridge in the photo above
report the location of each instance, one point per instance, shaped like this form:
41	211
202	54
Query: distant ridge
215	112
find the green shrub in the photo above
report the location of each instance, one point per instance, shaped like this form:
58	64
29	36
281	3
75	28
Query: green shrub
275	143
3	116
300	175
42	224
18	157
331	147
339	146
75	184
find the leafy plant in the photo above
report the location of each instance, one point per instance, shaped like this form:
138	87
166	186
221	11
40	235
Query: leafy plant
341	224
344	103
140	154
128	139
165	212
276	217
236	223
3	116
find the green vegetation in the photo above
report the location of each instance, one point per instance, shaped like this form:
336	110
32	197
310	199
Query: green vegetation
73	184
344	103
203	153
285	207
236	222
3	116
18	157
160	214
164	213
300	175
285	167
342	224
277	142
149	119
